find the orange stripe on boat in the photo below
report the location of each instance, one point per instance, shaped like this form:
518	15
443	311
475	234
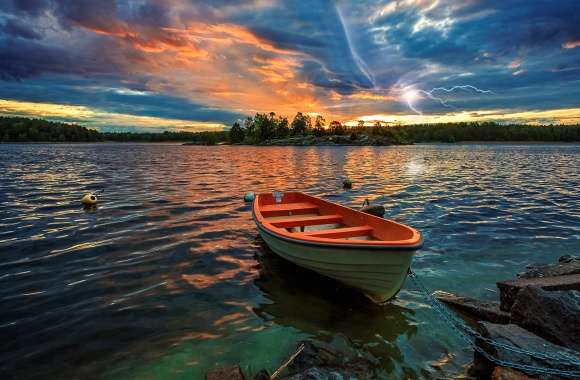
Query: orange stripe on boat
301	210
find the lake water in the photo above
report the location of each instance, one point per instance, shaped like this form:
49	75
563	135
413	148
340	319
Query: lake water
167	278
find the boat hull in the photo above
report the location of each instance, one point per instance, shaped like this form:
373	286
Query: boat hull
379	273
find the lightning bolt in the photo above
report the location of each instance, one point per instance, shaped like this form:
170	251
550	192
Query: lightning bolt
410	94
467	87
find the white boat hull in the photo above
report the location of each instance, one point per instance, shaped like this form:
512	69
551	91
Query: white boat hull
378	273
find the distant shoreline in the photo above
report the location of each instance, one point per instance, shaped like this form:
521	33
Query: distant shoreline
187	143
267	130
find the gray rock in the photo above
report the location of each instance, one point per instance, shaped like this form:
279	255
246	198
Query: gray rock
230	373
509	289
555	316
341	357
320	374
514	335
262	375
502	373
487	311
566	265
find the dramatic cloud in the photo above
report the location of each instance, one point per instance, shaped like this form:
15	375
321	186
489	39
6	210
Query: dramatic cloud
200	64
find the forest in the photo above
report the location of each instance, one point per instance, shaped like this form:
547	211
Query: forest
18	129
264	127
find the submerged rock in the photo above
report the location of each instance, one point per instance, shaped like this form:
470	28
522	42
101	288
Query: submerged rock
262	375
230	373
487	311
339	359
554	316
510	289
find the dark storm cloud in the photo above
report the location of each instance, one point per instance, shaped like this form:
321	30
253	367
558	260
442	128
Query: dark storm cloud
18	29
498	45
111	99
99	15
21	59
527	52
25	7
316	29
500	27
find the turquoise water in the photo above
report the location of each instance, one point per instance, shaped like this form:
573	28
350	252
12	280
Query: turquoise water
167	278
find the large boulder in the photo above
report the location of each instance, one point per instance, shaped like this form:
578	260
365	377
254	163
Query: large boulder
566	265
487	311
508	290
340	359
513	335
554	316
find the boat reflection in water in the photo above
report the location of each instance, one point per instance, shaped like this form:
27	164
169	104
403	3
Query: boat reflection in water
323	308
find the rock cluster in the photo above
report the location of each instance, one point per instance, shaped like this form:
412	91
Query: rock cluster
331	140
539	311
341	359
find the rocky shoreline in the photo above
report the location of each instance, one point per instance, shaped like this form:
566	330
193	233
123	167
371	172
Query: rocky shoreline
355	140
539	311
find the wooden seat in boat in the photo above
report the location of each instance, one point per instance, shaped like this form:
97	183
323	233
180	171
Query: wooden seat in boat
282	209
341	233
301	221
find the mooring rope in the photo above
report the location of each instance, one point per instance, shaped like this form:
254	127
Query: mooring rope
467	334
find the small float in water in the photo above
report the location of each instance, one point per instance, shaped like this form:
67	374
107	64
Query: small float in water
361	250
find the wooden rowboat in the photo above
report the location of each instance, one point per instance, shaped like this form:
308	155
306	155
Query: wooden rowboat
361	250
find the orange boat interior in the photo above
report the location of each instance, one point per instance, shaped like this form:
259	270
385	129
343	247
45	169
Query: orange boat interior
299	215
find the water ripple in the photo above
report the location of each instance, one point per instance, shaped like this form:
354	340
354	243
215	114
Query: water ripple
166	276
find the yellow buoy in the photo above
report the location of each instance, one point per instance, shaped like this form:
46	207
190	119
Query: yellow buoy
89	199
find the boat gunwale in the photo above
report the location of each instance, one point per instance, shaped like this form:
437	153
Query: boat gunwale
341	243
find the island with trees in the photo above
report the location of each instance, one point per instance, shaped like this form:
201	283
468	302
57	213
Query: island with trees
267	129
270	129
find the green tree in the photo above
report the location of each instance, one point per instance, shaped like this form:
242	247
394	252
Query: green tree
265	125
282	129
319	126
236	133
299	125
336	128
250	131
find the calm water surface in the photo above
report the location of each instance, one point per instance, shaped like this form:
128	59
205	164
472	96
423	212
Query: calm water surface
168	278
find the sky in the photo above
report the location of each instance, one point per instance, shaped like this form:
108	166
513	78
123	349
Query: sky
151	65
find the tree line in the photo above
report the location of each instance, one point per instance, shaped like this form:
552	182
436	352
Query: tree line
19	129
268	126
488	131
263	127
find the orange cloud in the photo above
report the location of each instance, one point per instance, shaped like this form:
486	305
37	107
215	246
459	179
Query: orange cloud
95	118
366	95
571	44
236	70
